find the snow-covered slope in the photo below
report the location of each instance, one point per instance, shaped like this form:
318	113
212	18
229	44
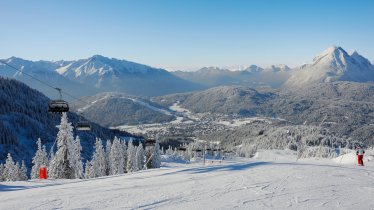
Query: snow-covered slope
333	64
232	184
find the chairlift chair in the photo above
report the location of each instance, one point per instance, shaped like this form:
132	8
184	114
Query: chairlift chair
58	106
83	126
182	149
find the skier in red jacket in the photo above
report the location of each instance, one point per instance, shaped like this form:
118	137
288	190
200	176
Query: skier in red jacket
360	155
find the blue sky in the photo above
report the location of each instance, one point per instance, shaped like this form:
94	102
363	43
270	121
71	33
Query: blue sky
182	34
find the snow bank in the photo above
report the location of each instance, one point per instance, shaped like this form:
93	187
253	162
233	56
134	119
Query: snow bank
276	155
351	158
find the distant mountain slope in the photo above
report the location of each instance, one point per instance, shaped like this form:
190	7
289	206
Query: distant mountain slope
333	64
345	108
252	76
98	74
115	109
24	118
109	74
224	100
44	71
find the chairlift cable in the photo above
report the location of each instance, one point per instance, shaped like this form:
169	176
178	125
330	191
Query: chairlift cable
42	82
48	85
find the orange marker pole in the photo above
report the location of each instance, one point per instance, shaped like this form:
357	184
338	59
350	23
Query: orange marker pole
43	172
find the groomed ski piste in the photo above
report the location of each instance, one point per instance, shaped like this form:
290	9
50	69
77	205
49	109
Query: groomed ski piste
273	179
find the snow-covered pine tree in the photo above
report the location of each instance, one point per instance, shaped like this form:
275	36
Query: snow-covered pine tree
17	168
116	158
156	156
87	169
107	155
10	171
77	159
148	157
38	160
169	151
130	157
175	153
140	155
51	167
63	162
23	172
1	172
98	161
124	153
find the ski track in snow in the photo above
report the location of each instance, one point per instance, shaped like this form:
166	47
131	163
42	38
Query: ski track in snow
234	184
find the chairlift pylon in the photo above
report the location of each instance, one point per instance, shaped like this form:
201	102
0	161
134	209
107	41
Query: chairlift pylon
58	106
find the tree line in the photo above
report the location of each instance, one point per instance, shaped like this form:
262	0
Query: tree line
66	163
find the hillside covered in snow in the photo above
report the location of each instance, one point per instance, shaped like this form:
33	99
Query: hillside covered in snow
272	180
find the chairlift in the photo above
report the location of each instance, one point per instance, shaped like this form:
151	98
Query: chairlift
197	150
83	126
58	106
182	149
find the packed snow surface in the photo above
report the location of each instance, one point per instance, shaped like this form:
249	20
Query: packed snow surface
266	182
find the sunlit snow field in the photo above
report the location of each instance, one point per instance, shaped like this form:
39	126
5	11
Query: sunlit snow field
271	180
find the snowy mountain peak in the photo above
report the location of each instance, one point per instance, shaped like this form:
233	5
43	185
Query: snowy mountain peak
335	57
334	64
254	69
361	60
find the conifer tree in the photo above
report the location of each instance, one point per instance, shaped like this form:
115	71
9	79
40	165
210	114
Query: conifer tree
23	172
140	155
10	171
124	153
1	172
107	156
64	160
130	157
87	170
40	159
156	156
17	173
51	166
98	161
77	159
116	158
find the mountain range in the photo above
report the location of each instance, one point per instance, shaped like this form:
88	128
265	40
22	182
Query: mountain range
94	75
86	77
